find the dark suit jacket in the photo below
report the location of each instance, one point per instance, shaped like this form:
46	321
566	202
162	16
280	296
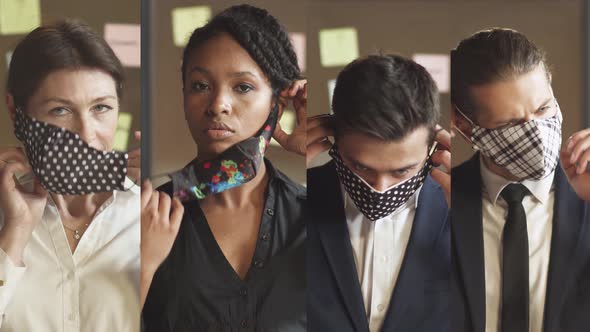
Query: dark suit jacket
567	302
334	300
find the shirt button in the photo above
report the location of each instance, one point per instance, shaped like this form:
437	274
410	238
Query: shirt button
384	258
380	307
265	236
258	264
244	323
244	291
270	212
71	317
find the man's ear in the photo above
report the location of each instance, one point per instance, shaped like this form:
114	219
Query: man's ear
11	107
460	124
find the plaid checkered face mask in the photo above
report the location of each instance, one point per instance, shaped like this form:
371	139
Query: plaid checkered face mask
64	163
528	151
372	203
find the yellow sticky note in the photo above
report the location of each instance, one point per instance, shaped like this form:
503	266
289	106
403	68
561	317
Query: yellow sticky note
19	16
124	121
338	47
288	122
185	20
121	140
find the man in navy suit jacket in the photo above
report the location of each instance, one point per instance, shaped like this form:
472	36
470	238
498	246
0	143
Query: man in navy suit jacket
378	245
504	278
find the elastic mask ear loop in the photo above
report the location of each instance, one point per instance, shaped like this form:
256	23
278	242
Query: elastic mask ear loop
468	139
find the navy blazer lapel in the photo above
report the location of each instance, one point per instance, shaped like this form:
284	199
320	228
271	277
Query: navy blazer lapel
567	225
326	198
408	294
467	236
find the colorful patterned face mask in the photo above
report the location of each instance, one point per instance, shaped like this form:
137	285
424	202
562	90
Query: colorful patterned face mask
528	151
372	203
234	167
64	163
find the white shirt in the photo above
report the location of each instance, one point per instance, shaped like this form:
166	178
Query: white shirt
378	249
94	289
539	211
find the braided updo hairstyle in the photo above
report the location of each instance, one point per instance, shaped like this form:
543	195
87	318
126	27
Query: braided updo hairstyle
260	34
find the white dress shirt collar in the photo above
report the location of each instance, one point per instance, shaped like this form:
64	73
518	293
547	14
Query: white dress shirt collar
493	184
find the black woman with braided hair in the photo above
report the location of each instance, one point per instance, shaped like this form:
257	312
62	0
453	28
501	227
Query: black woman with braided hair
223	243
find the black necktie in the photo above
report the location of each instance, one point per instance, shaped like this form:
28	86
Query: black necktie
515	268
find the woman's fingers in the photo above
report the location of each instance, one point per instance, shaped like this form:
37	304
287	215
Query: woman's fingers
280	135
146	193
164	206
177	213
8	155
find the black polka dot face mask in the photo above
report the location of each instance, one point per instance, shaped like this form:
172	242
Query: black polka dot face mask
375	204
64	163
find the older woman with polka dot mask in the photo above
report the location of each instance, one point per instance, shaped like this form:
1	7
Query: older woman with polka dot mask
69	228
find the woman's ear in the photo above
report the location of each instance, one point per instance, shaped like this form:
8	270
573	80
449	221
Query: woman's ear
11	107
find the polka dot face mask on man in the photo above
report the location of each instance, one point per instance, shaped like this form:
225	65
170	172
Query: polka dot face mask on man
234	167
64	163
529	150
375	204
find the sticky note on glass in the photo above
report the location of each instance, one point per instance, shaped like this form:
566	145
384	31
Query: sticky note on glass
122	133
185	20
338	47
288	122
438	66
331	86
19	16
298	41
8	58
125	40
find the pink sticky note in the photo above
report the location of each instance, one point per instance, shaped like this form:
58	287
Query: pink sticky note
438	66
298	41
125	40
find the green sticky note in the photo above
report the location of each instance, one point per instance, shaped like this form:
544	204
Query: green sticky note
19	16
124	121
121	140
185	20
338	47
